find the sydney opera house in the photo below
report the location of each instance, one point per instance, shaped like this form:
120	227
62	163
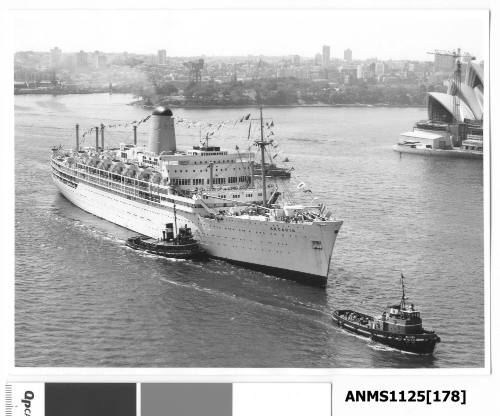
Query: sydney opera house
455	118
470	93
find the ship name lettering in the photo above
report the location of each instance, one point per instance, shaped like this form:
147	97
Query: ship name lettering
285	230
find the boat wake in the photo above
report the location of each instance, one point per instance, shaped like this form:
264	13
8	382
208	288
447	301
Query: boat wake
351	334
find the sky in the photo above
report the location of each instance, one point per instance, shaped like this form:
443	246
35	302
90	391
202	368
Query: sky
368	33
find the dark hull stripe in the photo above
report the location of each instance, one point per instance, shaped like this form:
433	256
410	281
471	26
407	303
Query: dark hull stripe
300	277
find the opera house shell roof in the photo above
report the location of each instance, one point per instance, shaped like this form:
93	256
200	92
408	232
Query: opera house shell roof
440	105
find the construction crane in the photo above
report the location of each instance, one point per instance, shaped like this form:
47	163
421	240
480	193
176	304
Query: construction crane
195	68
455	86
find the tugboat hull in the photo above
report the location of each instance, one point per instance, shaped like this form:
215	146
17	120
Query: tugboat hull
422	343
417	344
177	251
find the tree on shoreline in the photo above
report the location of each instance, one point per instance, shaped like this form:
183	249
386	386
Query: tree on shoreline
286	91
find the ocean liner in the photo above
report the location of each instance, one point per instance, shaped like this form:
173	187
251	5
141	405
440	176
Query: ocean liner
211	190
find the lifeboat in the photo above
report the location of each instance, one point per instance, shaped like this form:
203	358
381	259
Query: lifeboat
105	164
93	161
145	174
156	177
131	171
118	168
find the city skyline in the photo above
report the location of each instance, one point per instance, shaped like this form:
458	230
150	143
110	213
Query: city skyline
368	33
341	59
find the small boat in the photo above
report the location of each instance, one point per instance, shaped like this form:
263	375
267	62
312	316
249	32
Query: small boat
182	246
400	327
272	170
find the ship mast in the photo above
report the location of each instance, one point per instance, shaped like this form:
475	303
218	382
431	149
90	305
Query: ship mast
175	220
403	297
262	144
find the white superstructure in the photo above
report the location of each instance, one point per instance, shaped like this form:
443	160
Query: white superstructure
208	189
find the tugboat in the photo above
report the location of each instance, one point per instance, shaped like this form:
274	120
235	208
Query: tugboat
181	246
400	327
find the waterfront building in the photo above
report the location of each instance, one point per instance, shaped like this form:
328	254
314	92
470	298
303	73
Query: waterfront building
379	69
82	59
318	59
99	60
470	93
162	57
348	55
326	55
55	57
455	119
361	72
349	73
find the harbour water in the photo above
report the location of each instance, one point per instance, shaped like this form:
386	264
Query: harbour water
84	299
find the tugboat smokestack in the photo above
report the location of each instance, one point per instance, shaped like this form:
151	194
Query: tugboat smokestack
97	139
169	228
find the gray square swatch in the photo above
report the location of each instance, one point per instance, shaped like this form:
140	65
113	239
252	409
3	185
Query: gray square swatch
186	399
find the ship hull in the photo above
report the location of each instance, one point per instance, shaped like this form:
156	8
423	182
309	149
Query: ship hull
275	248
300	277
415	343
458	154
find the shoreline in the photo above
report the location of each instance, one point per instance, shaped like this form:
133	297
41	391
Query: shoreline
138	103
286	106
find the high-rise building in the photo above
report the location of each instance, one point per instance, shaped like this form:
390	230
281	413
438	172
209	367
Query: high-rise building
82	59
99	60
318	59
379	68
348	73
361	71
370	70
326	55
348	55
162	57
55	57
296	59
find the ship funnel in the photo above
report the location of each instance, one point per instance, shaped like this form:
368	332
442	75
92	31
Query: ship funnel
162	138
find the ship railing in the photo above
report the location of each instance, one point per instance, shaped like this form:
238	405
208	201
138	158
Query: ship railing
123	188
105	174
149	195
207	208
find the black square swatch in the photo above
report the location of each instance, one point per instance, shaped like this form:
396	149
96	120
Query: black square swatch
90	399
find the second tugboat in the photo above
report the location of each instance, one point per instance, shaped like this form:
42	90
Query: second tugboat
400	327
180	246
